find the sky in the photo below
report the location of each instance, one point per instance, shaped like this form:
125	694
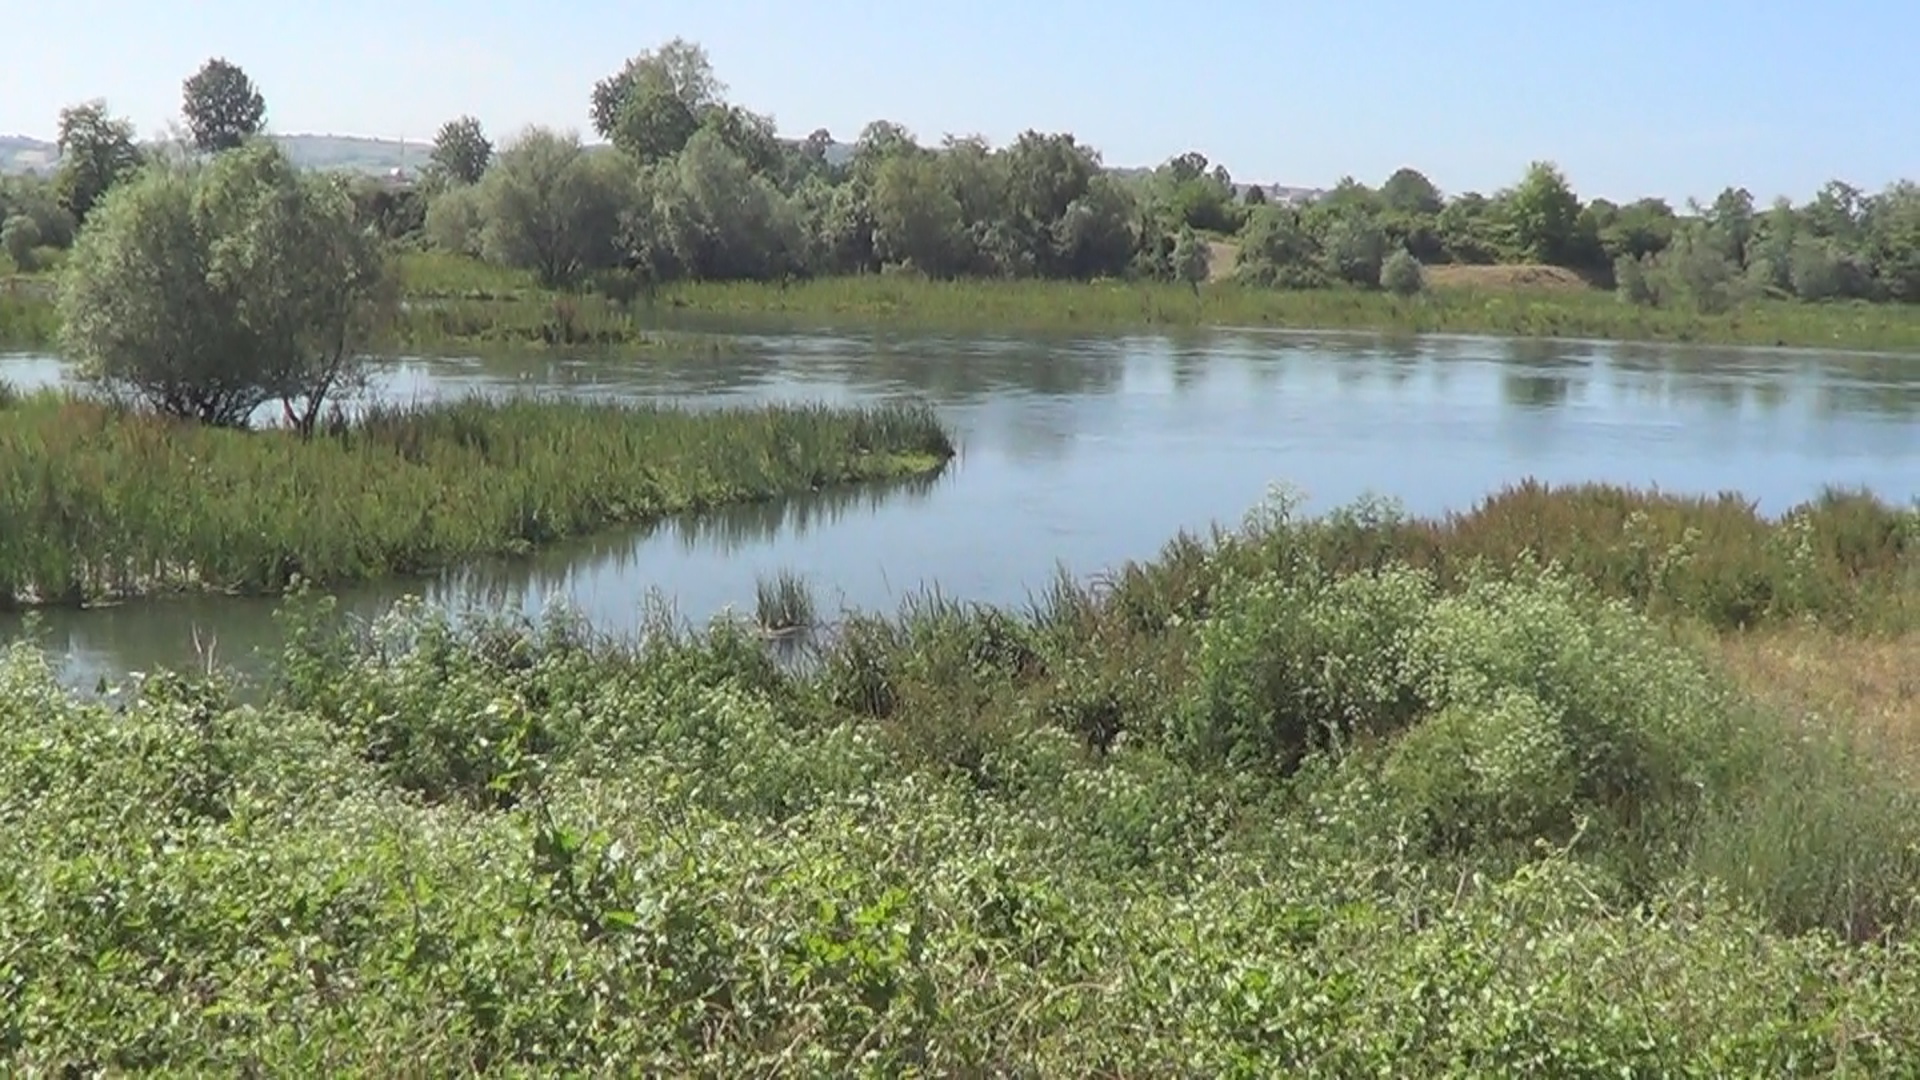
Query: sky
1631	98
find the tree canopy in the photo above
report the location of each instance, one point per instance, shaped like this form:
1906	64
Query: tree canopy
97	151
208	290
222	107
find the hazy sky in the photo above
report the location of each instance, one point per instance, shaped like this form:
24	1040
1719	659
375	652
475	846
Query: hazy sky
1632	97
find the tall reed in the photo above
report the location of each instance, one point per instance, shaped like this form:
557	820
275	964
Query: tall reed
96	502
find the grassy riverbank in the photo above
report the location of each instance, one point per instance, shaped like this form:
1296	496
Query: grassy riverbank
468	300
1275	803
96	503
458	302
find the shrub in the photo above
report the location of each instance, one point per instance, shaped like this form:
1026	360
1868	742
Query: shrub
1402	275
19	237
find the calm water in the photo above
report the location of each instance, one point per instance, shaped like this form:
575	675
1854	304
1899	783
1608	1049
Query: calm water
1085	452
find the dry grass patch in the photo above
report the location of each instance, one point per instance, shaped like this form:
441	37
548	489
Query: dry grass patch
1868	687
1221	259
1505	277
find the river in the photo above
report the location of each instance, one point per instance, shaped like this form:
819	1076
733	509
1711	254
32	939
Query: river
1087	451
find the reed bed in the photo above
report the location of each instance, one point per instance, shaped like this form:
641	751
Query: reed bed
1520	312
97	503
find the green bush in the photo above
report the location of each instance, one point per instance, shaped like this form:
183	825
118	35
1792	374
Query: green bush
1402	275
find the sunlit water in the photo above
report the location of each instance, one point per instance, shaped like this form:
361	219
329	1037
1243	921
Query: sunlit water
1089	451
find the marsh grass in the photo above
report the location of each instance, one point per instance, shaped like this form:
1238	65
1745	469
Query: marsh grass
784	605
1547	312
98	503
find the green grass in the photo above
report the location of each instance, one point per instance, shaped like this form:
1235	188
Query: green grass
27	315
783	604
1260	807
97	503
457	301
1514	312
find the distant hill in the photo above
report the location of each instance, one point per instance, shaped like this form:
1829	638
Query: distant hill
354	153
20	153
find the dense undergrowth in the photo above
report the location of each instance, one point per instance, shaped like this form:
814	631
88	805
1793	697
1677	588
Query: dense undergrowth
98	502
1277	803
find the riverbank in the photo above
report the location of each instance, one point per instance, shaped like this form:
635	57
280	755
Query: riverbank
464	300
456	302
1272	803
98	504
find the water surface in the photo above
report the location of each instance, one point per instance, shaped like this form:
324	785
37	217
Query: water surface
1088	451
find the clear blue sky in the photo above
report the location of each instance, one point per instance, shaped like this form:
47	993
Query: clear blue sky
1633	97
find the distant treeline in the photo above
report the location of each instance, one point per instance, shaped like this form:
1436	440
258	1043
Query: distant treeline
698	187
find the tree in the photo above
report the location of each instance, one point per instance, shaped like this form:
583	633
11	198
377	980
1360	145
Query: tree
1191	259
916	220
654	104
1410	192
206	291
222	107
453	222
1095	235
1893	240
1353	247
34	198
96	152
707	215
1278	249
1402	275
749	135
552	208
1542	213
461	151
19	235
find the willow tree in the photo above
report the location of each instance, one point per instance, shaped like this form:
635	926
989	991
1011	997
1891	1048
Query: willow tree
208	290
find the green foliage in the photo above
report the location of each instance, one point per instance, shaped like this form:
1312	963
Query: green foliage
222	107
706	215
461	151
97	151
551	207
207	291
1402	275
455	222
1190	257
96	503
1543	214
1410	192
654	104
19	236
967	842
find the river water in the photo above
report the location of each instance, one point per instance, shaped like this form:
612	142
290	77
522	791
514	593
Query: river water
1084	452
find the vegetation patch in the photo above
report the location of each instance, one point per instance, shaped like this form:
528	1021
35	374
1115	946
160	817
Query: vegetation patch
1260	806
97	502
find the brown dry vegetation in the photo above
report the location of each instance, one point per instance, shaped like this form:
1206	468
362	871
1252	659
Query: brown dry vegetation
1505	277
1221	257
1854	685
